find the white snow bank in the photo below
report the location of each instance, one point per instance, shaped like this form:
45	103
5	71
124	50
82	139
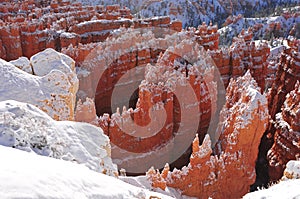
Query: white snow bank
284	189
143	182
27	175
25	127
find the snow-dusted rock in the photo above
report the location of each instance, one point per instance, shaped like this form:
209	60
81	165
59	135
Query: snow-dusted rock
22	63
25	175
25	127
230	170
292	170
53	89
49	59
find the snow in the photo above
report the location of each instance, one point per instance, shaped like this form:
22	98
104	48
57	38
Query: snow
292	170
22	63
285	189
143	182
27	175
25	127
191	13
288	187
52	88
49	59
231	30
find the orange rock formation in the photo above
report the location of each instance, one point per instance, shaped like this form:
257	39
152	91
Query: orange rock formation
287	136
60	24
231	170
286	76
241	56
157	93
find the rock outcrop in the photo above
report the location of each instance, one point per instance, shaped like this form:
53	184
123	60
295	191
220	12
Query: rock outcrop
165	102
23	126
242	55
292	170
230	170
28	28
287	135
286	76
86	111
52	88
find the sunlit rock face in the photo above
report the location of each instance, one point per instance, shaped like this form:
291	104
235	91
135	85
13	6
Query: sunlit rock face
287	135
52	88
243	121
242	55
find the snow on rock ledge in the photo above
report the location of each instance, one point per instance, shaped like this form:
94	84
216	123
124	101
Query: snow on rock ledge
53	90
25	127
25	175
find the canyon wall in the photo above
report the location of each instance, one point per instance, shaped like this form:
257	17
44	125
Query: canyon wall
158	114
287	135
229	170
286	77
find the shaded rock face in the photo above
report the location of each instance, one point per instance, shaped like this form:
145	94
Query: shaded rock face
286	76
53	87
230	170
287	135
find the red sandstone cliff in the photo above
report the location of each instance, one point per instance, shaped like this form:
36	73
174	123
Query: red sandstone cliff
230	171
287	135
286	76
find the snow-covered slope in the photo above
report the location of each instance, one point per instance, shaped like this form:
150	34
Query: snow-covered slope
263	28
27	175
25	127
190	12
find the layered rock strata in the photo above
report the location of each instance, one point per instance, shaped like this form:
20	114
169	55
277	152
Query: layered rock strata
242	55
27	28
